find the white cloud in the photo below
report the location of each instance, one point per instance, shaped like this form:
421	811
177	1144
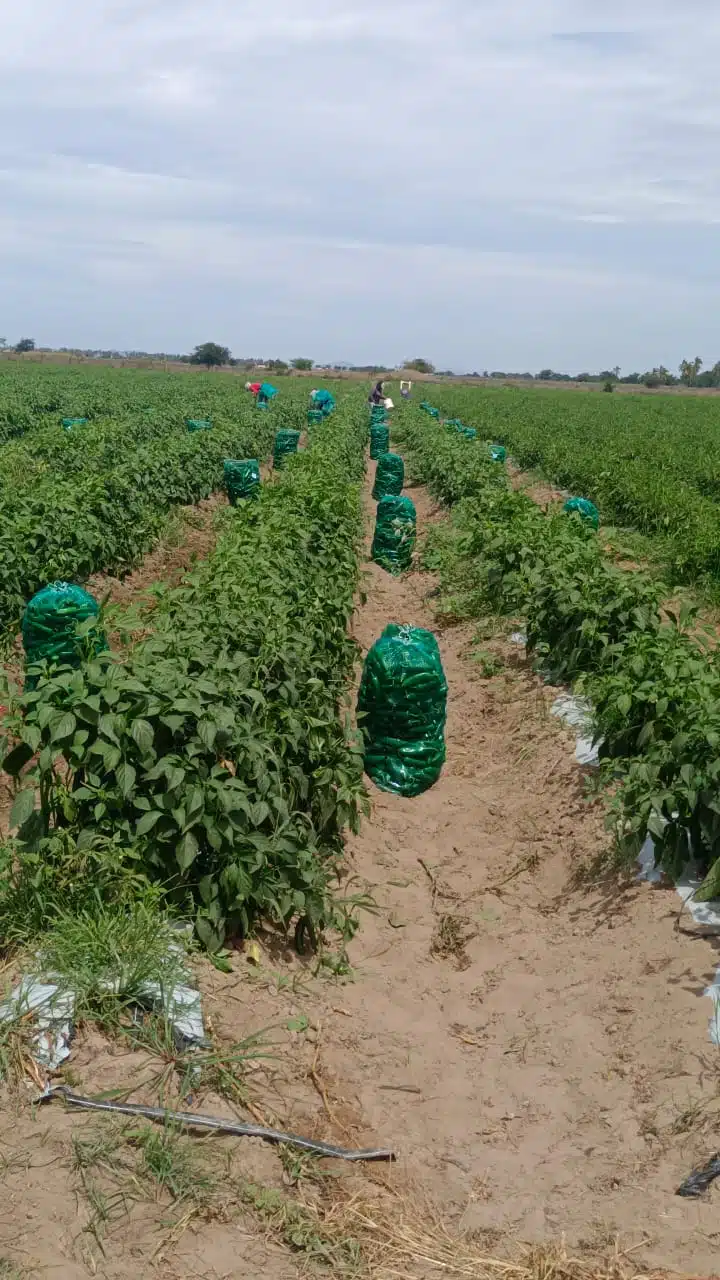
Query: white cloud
528	174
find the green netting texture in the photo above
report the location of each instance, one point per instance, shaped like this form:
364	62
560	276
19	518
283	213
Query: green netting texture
314	416
198	424
469	433
323	401
402	700
498	453
395	530
69	423
585	509
379	439
49	625
286	442
389	476
242	478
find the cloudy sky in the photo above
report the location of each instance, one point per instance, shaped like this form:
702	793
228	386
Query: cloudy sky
489	184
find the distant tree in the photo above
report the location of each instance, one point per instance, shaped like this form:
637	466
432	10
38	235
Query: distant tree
302	363
689	370
419	365
609	384
25	344
278	366
211	355
710	378
659	377
583	377
616	372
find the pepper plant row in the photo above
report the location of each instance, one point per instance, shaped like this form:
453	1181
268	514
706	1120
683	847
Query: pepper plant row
104	518
648	463
217	754
653	682
34	398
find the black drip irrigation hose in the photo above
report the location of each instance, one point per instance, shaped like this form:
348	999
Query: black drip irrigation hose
189	1120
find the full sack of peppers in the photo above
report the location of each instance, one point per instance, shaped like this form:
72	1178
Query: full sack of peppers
402	705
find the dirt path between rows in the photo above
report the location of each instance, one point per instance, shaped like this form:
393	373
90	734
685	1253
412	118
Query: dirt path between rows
535	1051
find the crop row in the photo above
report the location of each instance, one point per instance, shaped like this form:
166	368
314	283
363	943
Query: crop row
651	464
35	398
216	755
104	517
653	683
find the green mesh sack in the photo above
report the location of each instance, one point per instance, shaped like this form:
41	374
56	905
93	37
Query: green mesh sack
198	424
242	478
585	509
402	702
498	453
395	530
389	476
314	416
379	440
69	423
470	433
49	625
286	442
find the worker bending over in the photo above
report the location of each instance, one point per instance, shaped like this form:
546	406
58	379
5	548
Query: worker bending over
323	401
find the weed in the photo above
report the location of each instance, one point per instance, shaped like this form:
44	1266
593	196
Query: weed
490	664
450	940
301	1166
118	1166
109	959
304	1231
9	1271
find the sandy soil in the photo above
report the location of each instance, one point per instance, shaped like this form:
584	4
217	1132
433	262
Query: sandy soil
535	1049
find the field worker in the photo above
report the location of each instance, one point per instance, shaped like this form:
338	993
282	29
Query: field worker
405	389
323	400
253	387
377	395
265	393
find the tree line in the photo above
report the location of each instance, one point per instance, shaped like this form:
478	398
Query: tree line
214	355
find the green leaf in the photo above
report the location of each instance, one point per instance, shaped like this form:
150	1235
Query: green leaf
301	1023
210	936
207	733
63	727
710	887
125	775
23	806
142	733
187	851
147	822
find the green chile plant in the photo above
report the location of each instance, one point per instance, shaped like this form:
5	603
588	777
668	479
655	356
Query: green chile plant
649	462
654	682
69	527
219	749
657	706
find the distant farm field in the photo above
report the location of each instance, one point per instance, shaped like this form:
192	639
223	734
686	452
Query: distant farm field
650	463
